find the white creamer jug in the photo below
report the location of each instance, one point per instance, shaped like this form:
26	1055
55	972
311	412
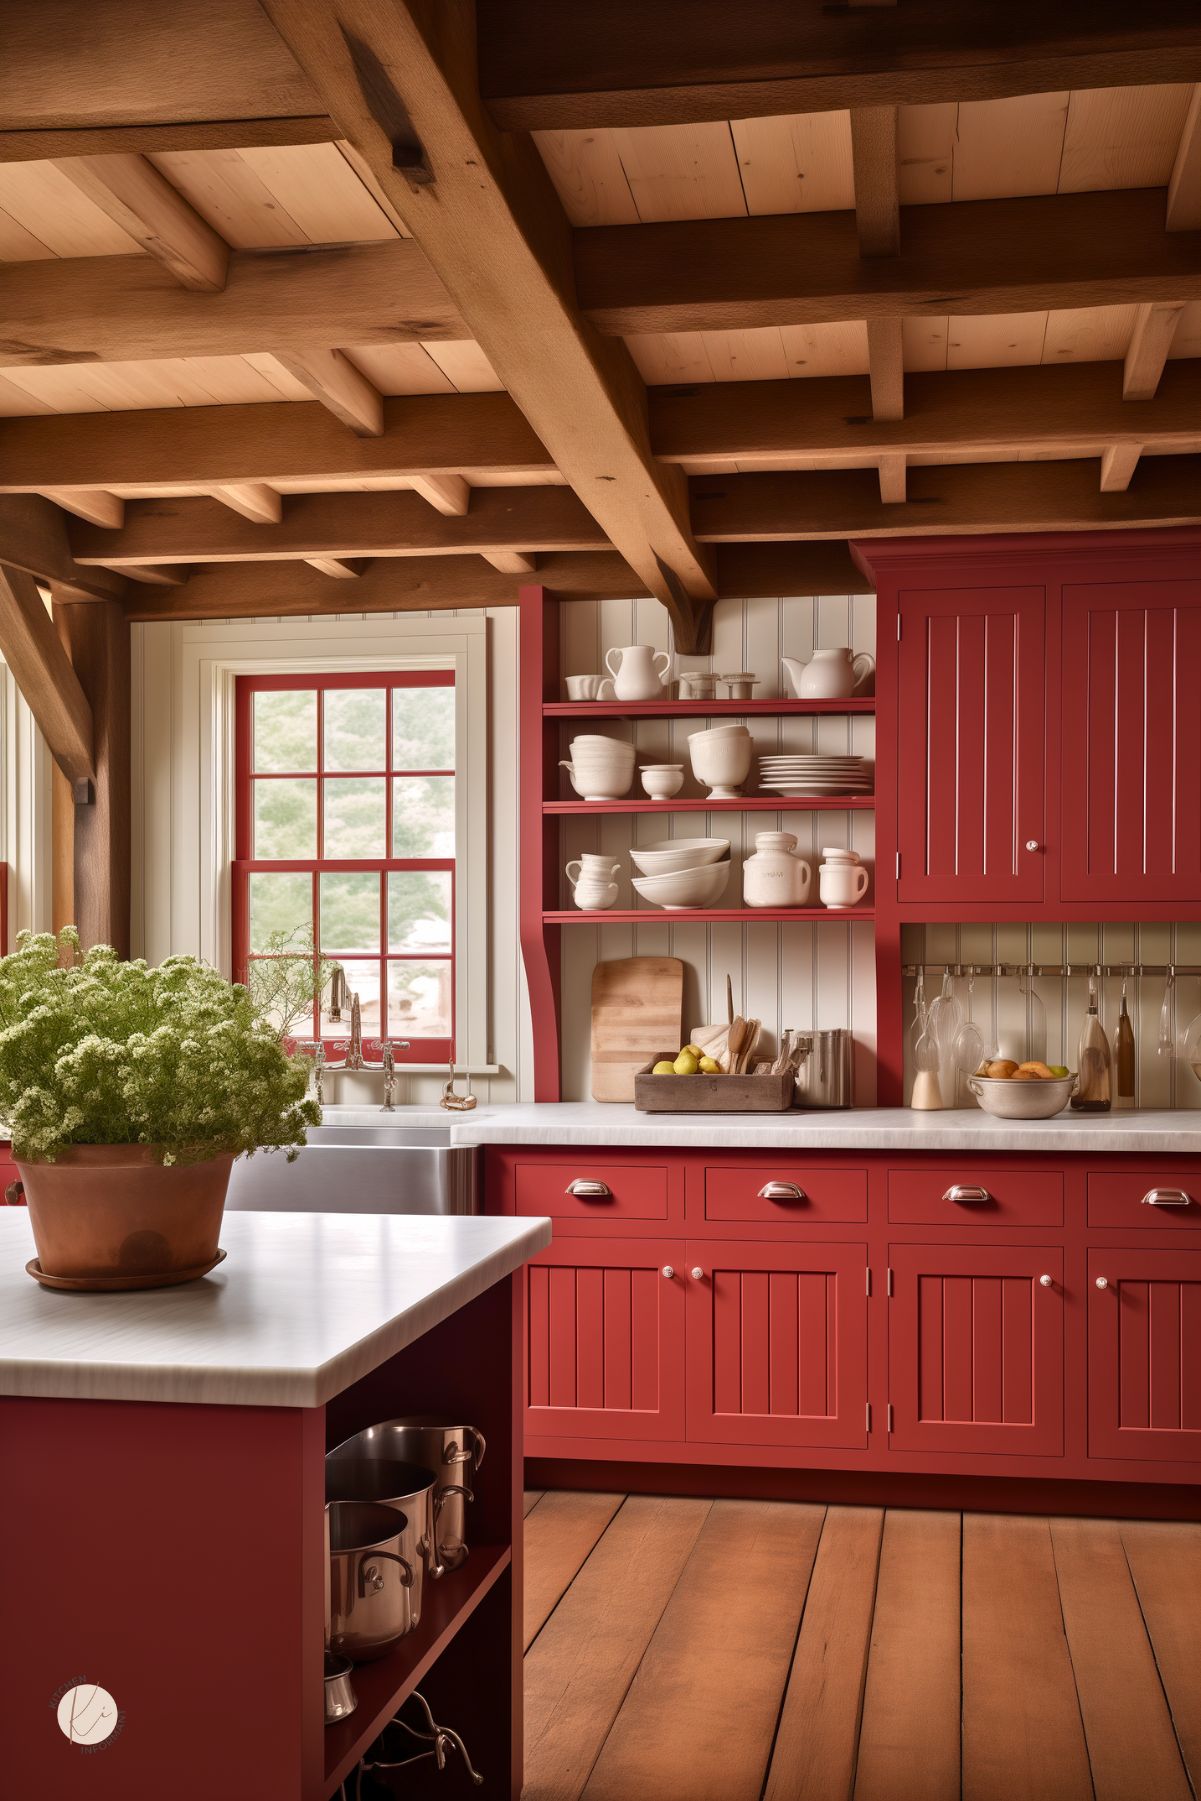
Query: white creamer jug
636	674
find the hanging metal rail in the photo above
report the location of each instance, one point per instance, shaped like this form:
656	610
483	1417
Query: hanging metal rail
1052	969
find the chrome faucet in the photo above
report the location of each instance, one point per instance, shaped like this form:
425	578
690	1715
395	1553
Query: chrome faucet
354	1051
337	993
389	1063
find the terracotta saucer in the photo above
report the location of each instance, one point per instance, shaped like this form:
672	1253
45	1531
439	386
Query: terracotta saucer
106	1284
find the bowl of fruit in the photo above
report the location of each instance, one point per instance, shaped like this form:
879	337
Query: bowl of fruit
1033	1090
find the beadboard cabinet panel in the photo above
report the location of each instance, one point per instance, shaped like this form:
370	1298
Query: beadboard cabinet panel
1144	1366
971	750
1131	747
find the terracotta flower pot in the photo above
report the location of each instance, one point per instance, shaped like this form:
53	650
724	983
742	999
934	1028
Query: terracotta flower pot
109	1214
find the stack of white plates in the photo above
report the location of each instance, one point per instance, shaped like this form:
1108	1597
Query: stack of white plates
814	775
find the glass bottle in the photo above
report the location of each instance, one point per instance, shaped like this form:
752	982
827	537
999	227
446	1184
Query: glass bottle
1093	1064
1123	1057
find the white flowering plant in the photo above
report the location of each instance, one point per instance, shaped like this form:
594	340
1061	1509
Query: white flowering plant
94	1050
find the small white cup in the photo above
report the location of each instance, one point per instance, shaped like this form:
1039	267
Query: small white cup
842	884
588	687
662	780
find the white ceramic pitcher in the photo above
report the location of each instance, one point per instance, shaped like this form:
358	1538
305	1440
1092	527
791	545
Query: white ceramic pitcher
830	674
636	674
594	885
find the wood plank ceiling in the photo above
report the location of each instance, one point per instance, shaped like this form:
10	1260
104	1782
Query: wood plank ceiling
670	300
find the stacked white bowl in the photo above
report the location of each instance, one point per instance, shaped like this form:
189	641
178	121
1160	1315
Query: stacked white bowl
721	759
600	768
677	873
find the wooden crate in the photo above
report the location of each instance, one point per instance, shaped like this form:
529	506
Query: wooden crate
711	1094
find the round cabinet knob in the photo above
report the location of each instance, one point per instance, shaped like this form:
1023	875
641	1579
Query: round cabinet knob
1033	844
696	1272
1102	1282
668	1272
1046	1281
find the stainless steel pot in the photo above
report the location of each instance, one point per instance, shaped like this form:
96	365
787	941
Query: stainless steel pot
373	1461
369	1602
340	1698
825	1077
451	1452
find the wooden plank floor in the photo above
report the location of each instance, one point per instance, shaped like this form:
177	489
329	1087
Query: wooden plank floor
694	1650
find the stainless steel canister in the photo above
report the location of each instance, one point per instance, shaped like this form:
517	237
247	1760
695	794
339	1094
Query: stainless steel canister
826	1075
352	1474
453	1452
369	1599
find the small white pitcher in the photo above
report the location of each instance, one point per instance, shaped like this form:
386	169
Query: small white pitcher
593	885
636	675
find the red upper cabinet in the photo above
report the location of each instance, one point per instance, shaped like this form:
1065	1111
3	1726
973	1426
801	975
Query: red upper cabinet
1130	764
971	744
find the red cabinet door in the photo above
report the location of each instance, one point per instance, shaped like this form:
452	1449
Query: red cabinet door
975	1349
1131	759
1144	1354
971	755
777	1343
605	1339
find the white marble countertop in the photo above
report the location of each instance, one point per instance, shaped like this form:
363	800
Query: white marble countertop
859	1129
304	1305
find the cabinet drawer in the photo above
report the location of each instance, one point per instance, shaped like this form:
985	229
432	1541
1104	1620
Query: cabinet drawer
583	1189
969	1196
1144	1197
784	1193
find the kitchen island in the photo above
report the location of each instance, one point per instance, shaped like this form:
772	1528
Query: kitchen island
161	1514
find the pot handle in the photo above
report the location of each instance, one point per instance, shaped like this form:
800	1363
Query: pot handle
606	691
438	1568
14	1196
574	864
479	1444
370	1580
474	1456
862	676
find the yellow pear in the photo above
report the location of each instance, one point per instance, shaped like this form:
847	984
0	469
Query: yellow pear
685	1064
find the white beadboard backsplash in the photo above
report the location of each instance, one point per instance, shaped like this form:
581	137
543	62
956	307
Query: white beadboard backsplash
1054	1006
804	975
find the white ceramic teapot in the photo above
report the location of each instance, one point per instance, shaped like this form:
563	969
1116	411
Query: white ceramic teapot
830	674
636	675
774	876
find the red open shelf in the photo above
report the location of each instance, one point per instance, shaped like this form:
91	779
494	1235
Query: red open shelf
650	916
382	1686
755	803
700	709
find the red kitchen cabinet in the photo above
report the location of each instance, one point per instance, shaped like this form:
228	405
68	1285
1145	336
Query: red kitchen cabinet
1144	1354
971	744
975	1349
777	1343
1130	765
605	1339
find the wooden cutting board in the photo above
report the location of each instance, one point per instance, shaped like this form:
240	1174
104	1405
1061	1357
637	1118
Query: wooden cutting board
637	1009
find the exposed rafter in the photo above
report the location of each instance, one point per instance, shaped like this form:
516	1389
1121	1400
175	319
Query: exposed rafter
549	67
33	538
1150	342
96	505
253	500
512	562
400	81
351	525
143	203
1184	188
450	494
338	384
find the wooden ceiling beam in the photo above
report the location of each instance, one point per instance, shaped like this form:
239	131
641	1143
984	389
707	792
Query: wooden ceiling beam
874	165
33	538
511	562
380	524
202	447
123	308
1118	464
252	500
133	193
1151	340
1073	408
970	256
250	590
51	144
547	67
342	569
42	671
401	81
96	505
961	498
1184	188
331	378
450	494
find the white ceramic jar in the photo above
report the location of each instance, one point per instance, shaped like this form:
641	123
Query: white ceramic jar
774	876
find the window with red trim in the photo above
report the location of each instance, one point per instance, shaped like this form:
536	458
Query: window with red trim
346	830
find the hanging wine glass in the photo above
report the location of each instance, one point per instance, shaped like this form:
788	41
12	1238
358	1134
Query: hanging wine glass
1190	1047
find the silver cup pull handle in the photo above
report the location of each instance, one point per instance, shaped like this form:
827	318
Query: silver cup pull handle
1167	1197
585	1190
966	1194
781	1191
